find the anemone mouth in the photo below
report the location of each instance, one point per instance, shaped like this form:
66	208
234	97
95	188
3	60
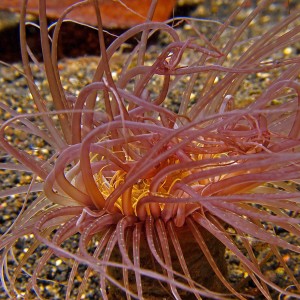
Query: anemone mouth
220	155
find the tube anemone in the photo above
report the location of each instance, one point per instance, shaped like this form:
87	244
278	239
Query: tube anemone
139	199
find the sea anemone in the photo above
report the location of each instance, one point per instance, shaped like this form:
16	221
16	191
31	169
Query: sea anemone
139	197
